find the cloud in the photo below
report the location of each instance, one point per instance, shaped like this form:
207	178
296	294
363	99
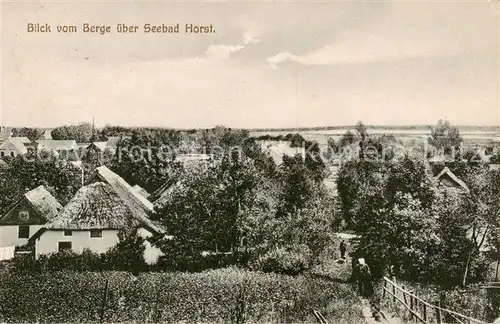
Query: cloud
220	51
249	38
404	36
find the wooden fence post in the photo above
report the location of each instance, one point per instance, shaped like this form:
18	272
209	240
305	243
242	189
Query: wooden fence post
385	287
104	301
394	290
438	312
404	295
415	305
411	307
425	312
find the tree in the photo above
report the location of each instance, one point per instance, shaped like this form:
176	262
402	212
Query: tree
347	139
495	158
400	235
10	189
353	178
128	254
410	175
361	130
59	177
445	137
296	185
32	134
204	210
146	159
81	133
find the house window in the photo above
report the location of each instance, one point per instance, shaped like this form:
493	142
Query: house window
68	233
95	233
2	154
64	246
12	154
24	232
24	215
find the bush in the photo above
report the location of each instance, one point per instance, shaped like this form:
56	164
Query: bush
285	261
221	296
473	301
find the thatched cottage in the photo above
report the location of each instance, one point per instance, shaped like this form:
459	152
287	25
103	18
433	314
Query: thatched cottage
94	217
26	216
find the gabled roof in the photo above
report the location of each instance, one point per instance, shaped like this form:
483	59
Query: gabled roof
141	191
98	206
123	189
446	172
160	191
42	202
14	144
22	139
57	145
100	145
131	197
47	134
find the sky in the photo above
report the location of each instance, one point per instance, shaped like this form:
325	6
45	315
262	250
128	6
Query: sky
268	64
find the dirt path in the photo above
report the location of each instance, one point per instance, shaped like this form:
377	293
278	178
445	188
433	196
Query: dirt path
373	315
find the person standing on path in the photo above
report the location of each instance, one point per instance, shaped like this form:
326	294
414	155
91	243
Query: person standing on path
343	249
364	278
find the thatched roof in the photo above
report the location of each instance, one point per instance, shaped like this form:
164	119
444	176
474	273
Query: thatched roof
131	197
98	206
43	202
123	189
141	191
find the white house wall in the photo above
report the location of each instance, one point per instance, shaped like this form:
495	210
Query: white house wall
151	253
9	235
48	242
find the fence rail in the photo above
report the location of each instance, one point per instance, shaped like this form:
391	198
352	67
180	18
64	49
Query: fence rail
319	317
419	309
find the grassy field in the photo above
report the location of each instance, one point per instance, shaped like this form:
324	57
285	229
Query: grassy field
216	296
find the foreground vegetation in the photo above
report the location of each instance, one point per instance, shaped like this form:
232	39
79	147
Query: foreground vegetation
221	296
475	301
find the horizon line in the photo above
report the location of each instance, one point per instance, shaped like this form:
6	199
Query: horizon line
276	128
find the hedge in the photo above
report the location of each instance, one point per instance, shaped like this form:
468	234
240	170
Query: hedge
222	296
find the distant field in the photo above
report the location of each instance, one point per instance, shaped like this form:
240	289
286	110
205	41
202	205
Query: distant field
470	134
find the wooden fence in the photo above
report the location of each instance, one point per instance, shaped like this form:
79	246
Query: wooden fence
420	310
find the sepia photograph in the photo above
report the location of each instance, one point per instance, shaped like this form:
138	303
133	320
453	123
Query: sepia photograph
255	161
